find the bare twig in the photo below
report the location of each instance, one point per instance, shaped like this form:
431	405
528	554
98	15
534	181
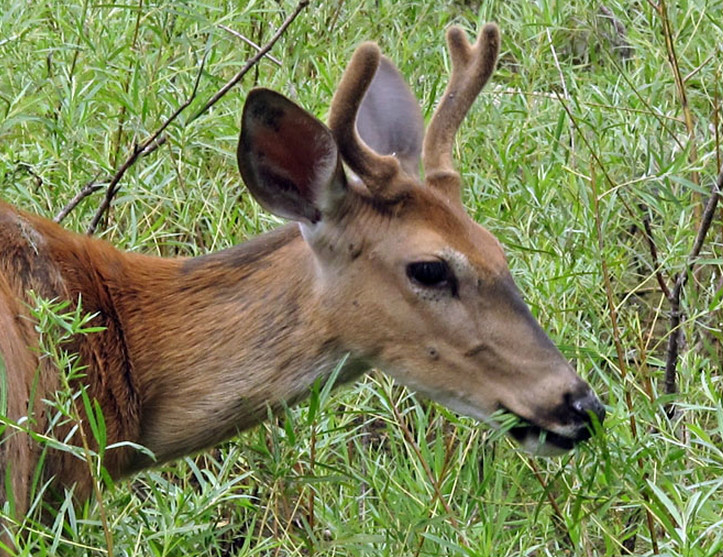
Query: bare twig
148	146
563	84
88	189
249	42
611	297
716	121
253	61
156	139
335	17
654	253
703	64
126	87
557	511
442	474
606	275
671	362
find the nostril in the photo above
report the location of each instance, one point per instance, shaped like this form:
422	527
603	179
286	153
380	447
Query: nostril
588	404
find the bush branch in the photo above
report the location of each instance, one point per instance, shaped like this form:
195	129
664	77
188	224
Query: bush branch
157	139
648	233
252	61
88	189
145	148
671	362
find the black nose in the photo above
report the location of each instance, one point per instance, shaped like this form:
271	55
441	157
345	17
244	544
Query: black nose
586	405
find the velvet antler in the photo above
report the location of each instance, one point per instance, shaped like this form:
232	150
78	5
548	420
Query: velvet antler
472	66
379	172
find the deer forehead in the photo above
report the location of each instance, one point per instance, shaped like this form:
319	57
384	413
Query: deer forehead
430	225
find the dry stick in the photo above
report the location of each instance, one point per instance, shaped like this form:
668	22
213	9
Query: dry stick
565	92
553	502
645	348
335	17
155	140
126	88
716	121
649	109
312	494
654	254
700	66
148	146
618	344
88	189
555	507
606	277
681	278
443	472
252	62
75	415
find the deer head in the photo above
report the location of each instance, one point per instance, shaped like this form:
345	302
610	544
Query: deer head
405	279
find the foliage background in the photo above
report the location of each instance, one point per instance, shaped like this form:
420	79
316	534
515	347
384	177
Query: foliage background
581	138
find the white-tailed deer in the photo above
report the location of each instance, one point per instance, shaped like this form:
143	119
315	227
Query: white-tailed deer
381	267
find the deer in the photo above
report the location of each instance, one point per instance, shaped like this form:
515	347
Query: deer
380	267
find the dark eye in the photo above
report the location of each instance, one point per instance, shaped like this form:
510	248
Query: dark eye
432	274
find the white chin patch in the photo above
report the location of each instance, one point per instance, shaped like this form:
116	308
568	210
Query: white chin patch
537	446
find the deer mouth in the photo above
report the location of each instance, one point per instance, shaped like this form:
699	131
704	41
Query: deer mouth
541	441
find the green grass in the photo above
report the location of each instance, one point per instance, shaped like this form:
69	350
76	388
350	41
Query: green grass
564	154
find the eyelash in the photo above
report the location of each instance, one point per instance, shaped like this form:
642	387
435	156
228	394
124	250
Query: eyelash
432	274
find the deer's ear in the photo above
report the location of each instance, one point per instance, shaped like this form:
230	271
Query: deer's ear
288	159
390	120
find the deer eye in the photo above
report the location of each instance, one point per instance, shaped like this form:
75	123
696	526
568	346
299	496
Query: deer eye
432	274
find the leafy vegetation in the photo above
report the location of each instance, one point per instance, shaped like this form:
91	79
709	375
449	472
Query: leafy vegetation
580	144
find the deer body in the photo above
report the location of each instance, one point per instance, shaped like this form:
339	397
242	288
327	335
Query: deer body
381	269
169	373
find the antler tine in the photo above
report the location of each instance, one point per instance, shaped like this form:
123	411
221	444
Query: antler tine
472	66
377	171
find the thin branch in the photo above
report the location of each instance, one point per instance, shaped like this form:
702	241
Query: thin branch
716	121
88	189
643	99
253	61
565	92
148	146
126	88
335	17
156	139
249	42
654	254
703	64
611	298
671	362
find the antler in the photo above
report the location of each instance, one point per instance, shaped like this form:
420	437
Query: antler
377	171
472	66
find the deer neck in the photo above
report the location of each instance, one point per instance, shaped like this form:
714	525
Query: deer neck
217	340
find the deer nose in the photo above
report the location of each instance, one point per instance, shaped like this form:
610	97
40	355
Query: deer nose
586	405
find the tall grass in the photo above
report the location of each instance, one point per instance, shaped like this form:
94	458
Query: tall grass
581	138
